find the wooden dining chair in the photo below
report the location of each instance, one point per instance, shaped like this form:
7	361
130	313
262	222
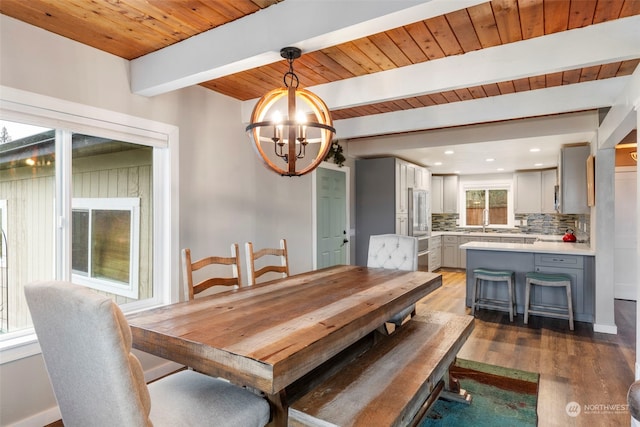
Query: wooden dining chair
86	344
252	258
189	266
396	252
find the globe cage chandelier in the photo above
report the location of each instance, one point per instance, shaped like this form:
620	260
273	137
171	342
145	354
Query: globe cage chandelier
289	135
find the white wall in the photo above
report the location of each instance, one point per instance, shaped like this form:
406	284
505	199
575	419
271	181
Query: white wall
226	195
625	244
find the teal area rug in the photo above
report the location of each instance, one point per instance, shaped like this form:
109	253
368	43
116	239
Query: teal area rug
500	397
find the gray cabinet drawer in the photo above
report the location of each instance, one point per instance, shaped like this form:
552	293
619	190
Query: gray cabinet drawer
512	239
450	239
435	243
558	260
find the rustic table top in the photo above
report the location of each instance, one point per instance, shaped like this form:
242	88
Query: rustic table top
268	336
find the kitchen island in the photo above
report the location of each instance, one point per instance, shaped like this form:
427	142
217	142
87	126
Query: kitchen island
575	259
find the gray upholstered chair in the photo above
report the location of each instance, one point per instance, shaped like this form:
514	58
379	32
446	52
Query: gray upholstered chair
633	399
397	252
86	345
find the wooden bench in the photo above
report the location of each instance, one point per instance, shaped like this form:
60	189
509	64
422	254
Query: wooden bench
391	384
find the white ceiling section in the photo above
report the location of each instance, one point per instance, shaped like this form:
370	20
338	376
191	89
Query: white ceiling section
507	142
257	39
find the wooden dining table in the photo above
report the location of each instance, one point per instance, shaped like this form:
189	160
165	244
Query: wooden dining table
270	335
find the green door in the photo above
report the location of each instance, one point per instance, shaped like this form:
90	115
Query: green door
331	217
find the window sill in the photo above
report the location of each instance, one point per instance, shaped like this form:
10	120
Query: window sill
23	344
19	347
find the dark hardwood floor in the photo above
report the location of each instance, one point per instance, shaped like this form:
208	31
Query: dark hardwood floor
592	369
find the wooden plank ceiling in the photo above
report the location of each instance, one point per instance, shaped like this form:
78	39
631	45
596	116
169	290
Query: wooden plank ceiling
133	28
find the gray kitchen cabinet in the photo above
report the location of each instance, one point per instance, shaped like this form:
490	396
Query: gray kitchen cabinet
435	253
402	224
450	194
422	178
549	181
381	199
437	182
512	239
528	192
580	269
572	179
462	253
401	185
534	191
444	193
450	251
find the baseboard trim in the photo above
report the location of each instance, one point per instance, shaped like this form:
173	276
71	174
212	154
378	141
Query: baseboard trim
52	415
40	419
605	329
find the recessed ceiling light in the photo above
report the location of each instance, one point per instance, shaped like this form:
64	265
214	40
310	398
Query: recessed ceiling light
534	150
448	152
438	163
500	169
489	159
456	171
538	164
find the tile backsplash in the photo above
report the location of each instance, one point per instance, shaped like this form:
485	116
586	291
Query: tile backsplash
550	224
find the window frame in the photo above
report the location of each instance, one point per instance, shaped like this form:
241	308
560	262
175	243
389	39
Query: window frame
70	117
128	204
486	186
3	227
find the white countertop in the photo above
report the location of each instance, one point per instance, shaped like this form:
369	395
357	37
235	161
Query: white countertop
543	237
537	247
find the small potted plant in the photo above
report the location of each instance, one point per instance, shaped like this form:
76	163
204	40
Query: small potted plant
335	153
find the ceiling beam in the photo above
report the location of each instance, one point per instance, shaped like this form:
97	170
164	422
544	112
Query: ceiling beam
556	100
623	116
256	39
596	44
562	124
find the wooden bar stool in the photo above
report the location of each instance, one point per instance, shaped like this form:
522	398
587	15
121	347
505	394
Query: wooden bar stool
553	280
494	276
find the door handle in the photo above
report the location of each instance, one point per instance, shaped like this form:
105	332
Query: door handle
344	241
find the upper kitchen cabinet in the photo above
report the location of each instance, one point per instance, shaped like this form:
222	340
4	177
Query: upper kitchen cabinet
534	191
572	179
401	185
422	178
549	182
444	194
382	199
436	194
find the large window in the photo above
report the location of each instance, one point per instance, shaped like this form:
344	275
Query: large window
88	203
486	205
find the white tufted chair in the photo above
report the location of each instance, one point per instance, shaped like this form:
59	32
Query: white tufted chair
395	252
86	345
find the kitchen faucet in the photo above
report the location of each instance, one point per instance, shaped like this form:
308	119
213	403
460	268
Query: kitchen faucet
485	220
